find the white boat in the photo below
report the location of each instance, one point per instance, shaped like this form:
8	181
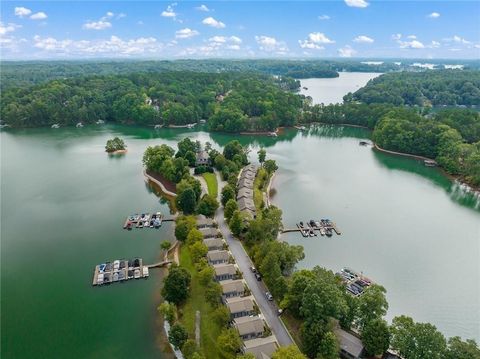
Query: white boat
145	271
79	125
157	127
100	122
55	125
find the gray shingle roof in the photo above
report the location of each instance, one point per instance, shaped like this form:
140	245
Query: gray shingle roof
349	342
239	304
249	325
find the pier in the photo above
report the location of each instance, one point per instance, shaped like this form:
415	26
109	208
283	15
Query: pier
311	228
123	270
146	220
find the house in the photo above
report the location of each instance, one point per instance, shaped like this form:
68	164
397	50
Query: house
224	271
249	327
245	193
213	243
246	203
232	288
204	222
218	257
245	182
202	158
240	306
351	347
262	348
247	174
209	232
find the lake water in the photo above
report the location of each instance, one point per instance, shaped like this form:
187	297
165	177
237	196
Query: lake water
329	91
64	201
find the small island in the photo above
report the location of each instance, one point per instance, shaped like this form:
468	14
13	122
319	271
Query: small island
116	145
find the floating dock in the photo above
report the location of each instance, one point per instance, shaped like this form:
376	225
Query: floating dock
311	228
144	220
355	283
119	271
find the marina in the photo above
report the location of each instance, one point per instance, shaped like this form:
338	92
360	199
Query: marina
119	271
144	220
355	283
312	228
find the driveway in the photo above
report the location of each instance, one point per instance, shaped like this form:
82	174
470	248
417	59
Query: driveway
268	309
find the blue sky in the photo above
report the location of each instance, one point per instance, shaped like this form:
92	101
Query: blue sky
237	29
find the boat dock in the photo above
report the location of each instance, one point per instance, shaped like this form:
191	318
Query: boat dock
146	220
355	283
312	228
123	270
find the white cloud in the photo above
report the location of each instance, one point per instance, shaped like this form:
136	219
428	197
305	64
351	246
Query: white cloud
434	15
396	37
460	40
324	17
414	44
412	37
39	16
357	3
97	25
121	15
202	8
112	46
210	21
315	40
235	39
185	33
21	11
6	28
346	51
169	11
434	44
271	44
109	14
363	39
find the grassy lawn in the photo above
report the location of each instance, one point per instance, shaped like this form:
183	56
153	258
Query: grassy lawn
293	325
209	330
259	187
212	184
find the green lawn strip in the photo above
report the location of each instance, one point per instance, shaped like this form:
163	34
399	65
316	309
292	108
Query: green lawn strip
259	187
212	184
209	330
293	325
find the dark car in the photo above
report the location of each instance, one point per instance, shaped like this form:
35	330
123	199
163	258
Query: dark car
258	276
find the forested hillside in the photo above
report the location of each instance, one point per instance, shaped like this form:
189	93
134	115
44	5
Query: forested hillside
231	101
439	87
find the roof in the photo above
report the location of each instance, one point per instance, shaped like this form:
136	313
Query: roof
246	203
245	192
245	182
248	174
204	222
221	269
261	347
230	285
217	255
349	342
247	325
213	242
209	232
239	304
202	155
250	167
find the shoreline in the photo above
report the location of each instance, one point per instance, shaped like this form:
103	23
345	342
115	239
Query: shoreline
159	183
117	152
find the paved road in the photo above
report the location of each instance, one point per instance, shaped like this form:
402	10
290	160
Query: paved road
268	309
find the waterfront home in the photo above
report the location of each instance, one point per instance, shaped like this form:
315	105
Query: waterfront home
351	347
209	232
248	175
245	193
261	348
213	243
245	182
246	203
224	271
232	288
249	327
202	158
218	257
204	222
240	306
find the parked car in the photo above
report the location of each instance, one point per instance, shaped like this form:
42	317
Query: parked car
279	311
253	269
258	276
269	296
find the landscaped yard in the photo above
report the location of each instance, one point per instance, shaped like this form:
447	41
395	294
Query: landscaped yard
209	329
212	184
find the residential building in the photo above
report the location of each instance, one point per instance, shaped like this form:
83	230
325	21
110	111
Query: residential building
204	222
249	327
214	243
224	271
240	306
218	257
232	288
209	232
202	158
262	348
351	347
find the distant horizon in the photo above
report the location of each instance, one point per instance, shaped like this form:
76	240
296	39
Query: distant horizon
363	29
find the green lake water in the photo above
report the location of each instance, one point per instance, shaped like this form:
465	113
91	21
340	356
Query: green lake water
64	201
